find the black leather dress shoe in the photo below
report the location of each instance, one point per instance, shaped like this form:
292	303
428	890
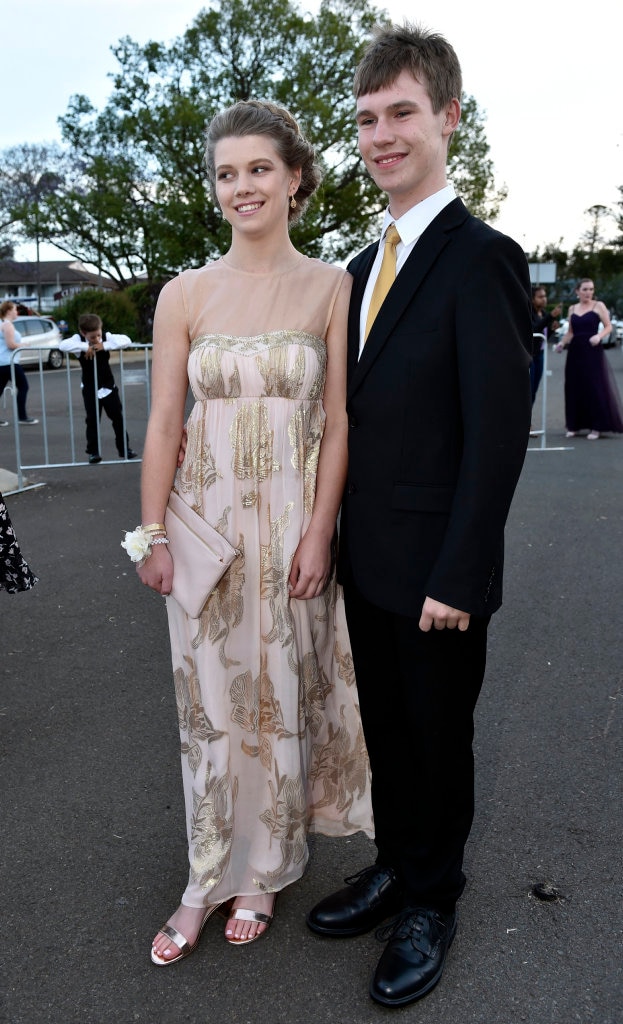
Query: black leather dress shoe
369	898
413	962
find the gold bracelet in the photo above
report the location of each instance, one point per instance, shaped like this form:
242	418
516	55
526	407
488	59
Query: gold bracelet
154	528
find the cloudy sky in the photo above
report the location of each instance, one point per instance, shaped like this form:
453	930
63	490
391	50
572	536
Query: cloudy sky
548	76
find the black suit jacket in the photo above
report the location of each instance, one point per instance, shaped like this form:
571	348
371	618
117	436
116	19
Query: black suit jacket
439	415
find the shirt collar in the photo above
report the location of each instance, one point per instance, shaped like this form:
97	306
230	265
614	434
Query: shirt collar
415	221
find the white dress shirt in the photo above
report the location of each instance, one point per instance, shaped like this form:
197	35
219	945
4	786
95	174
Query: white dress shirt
410	226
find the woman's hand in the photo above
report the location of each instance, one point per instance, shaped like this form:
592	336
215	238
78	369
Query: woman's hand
311	567
157	571
595	340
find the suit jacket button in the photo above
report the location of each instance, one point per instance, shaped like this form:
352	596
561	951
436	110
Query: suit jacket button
351	489
353	421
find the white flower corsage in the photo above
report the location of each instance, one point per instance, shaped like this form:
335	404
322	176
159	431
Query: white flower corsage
137	544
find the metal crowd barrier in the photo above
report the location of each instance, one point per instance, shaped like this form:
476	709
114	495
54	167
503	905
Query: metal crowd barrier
542	430
126	375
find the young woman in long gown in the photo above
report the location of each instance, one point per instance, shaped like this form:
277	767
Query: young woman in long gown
592	400
272	745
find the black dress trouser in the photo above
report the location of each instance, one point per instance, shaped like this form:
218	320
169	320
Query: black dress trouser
111	405
417	694
21	383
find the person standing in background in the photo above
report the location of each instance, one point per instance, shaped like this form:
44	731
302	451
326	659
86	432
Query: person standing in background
592	400
99	390
10	342
542	323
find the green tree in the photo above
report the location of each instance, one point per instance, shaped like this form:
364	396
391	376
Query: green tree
133	199
163	98
29	174
591	257
470	167
593	238
618	216
116	309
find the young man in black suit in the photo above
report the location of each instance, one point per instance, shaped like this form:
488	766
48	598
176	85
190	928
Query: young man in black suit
439	415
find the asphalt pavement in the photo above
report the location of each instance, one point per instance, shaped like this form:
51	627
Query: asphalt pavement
93	833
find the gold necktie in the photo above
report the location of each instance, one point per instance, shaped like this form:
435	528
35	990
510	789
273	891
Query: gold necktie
387	275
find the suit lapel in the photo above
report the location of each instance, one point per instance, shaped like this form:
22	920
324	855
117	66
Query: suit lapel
425	252
360	268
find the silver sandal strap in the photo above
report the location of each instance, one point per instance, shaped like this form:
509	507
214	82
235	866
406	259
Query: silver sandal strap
240	914
171	933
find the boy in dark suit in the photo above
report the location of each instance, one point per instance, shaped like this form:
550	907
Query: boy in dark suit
439	415
99	391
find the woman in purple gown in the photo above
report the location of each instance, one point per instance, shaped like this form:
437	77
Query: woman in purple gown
592	400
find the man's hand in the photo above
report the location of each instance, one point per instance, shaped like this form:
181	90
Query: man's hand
442	616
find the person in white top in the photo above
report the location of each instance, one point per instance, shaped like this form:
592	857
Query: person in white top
10	342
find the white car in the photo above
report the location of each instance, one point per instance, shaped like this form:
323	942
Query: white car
40	333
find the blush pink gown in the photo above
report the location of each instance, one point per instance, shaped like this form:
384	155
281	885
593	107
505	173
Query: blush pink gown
272	745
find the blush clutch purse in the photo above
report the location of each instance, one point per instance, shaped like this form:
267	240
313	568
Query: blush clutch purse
201	555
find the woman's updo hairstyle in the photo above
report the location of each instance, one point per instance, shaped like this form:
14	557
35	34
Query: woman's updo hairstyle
260	117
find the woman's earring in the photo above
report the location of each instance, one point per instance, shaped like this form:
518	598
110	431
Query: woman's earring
293	202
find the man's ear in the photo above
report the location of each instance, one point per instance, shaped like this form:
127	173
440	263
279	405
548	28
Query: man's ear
452	117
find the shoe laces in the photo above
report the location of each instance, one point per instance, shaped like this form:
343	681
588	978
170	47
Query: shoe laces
364	876
424	928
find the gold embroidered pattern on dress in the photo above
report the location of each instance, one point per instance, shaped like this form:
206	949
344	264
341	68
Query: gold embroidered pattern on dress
344	661
305	431
340	768
263	886
198	471
286	820
211	826
252	443
210	382
258	712
313	692
281	378
273	351
274	572
191	715
225	607
254	343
